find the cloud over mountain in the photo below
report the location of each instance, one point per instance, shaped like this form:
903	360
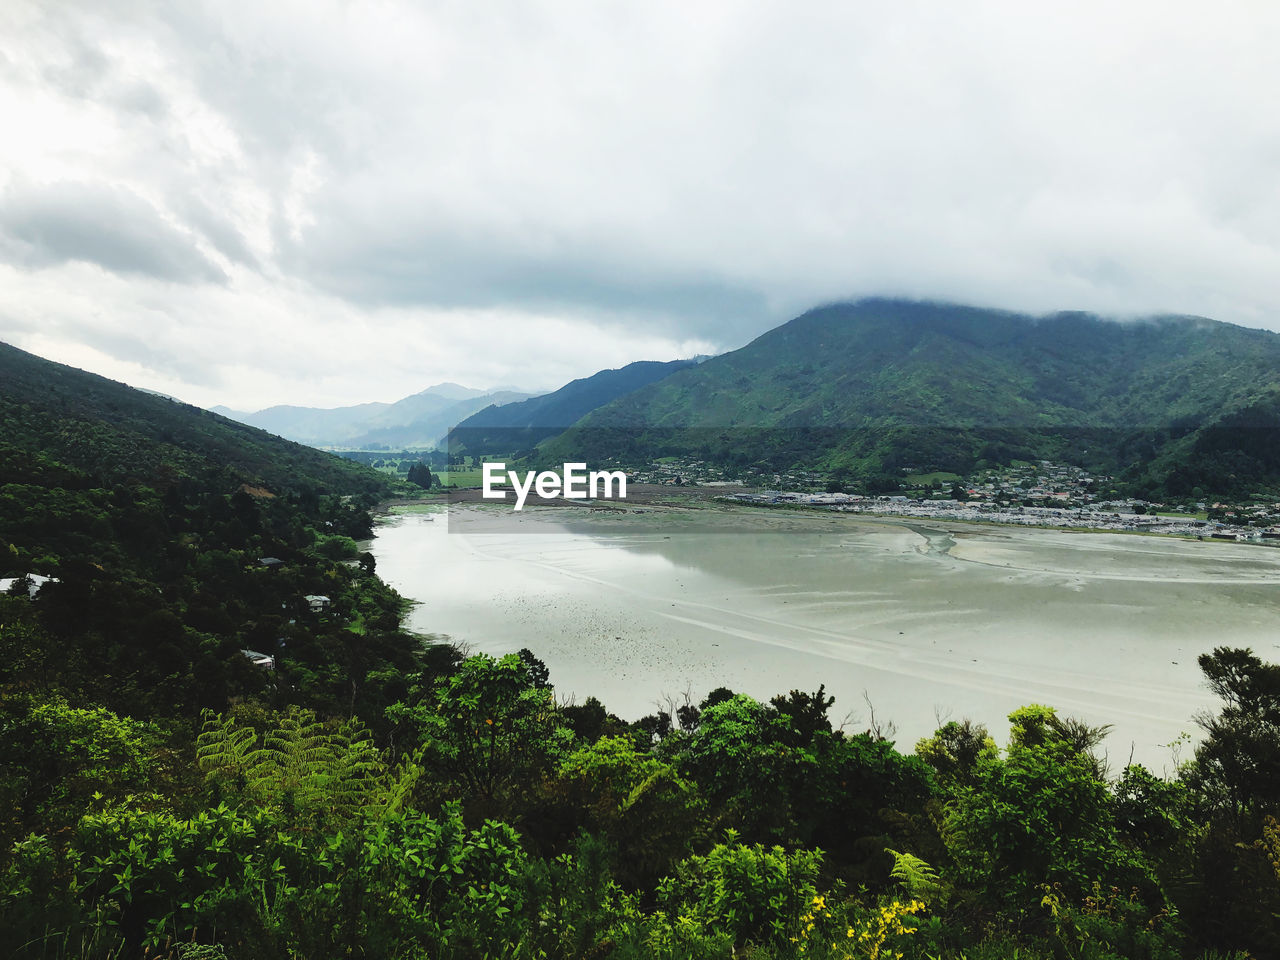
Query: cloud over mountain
640	180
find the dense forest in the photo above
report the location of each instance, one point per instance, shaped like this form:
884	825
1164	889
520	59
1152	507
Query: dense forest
216	741
882	386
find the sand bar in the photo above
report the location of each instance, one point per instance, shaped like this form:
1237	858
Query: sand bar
928	620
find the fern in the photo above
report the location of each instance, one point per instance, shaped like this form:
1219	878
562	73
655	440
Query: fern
303	765
920	880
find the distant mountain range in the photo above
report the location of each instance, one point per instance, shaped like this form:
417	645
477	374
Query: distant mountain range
1171	405
416	421
512	427
467	420
880	387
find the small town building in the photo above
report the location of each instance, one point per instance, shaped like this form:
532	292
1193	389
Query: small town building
34	582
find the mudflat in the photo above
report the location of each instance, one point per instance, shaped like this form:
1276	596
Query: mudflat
919	622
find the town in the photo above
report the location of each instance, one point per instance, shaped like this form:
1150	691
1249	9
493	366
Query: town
1043	494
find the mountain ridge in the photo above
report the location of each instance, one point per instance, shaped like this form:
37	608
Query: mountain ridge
514	426
112	430
877	385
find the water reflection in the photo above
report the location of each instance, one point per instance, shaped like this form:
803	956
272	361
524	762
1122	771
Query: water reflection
928	623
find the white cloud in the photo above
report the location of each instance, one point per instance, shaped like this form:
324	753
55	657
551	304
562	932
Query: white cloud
330	202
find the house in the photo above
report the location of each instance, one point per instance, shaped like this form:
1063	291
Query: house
260	660
34	581
316	602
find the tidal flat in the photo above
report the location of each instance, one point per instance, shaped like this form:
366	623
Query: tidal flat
919	622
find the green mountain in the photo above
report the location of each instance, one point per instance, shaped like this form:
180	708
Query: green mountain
176	540
119	434
882	386
510	427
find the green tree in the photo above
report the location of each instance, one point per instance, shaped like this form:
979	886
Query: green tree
640	803
420	474
486	728
56	761
1038	816
1237	766
755	894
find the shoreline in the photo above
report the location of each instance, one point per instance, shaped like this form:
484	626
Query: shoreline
619	606
695	499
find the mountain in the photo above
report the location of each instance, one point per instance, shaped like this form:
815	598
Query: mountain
510	427
456	392
426	429
119	434
416	420
881	386
174	540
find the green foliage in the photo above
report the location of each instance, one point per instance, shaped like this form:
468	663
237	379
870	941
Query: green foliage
336	547
105	428
485	729
753	893
779	773
311	770
1109	925
918	879
403	885
1235	786
420	475
648	811
57	760
954	751
1039	815
740	756
1238	764
1156	815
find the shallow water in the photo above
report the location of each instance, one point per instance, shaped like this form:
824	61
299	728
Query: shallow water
929	621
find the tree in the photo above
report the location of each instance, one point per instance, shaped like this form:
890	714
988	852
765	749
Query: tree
1238	765
420	474
55	758
636	801
1040	815
487	728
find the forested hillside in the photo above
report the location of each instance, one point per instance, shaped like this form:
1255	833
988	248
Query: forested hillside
175	539
509	428
165	792
879	386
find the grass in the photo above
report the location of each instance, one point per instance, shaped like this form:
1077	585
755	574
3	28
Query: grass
461	478
920	479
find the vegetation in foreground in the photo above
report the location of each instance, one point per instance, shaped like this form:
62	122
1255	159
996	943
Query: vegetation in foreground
476	817
165	792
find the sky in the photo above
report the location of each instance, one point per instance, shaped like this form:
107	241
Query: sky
320	203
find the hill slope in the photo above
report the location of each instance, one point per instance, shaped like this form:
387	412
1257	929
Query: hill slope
884	385
517	426
121	434
176	540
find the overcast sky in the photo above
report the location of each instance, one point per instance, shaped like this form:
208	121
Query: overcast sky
324	203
